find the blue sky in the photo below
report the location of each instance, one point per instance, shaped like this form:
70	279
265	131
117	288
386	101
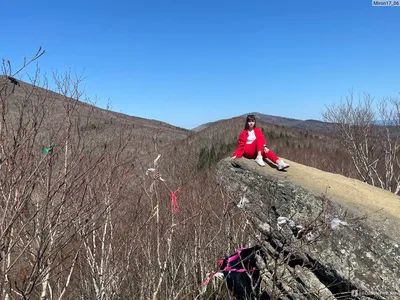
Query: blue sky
189	62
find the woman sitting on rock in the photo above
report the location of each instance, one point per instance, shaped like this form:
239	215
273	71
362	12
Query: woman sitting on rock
252	145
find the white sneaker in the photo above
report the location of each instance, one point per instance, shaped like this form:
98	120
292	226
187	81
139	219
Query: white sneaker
282	165
260	161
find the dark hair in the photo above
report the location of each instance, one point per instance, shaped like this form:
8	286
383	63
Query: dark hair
250	118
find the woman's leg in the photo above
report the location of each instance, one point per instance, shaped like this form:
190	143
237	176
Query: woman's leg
259	149
250	150
270	155
260	146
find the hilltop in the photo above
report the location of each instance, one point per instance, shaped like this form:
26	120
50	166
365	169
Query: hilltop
56	105
312	125
58	101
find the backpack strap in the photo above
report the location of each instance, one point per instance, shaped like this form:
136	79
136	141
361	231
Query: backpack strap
233	258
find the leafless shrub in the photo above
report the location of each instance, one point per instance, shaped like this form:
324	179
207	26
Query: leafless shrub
370	137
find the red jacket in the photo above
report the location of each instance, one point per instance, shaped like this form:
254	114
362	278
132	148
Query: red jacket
242	140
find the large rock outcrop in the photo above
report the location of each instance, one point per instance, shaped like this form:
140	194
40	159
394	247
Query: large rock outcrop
327	236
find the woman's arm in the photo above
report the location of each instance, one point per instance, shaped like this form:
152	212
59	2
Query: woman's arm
241	143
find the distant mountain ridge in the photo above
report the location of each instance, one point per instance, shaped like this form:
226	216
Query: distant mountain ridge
282	121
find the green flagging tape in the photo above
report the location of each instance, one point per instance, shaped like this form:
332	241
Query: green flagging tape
47	150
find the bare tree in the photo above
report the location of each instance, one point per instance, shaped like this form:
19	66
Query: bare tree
370	136
50	166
